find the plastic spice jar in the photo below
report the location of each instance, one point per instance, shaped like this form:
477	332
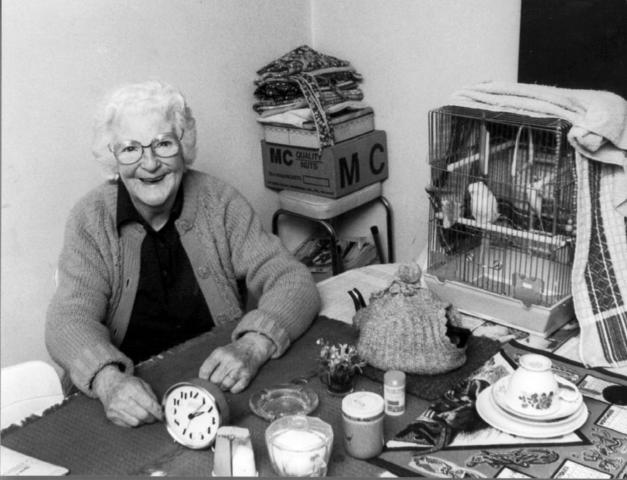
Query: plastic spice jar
394	392
362	418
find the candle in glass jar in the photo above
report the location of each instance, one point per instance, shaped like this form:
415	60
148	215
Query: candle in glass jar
298	453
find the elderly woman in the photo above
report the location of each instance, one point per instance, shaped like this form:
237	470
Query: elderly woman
158	256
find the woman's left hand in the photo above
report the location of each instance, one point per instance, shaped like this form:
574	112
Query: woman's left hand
233	366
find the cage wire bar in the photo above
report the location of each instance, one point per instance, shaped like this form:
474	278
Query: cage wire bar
503	204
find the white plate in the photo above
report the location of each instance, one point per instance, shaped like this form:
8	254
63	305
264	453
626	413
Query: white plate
559	409
501	420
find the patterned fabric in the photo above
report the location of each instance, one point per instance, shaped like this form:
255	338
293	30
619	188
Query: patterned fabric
310	89
599	137
305	76
599	278
301	59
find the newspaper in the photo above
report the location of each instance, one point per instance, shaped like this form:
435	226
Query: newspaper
14	463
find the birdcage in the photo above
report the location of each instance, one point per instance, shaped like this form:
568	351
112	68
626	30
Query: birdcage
502	217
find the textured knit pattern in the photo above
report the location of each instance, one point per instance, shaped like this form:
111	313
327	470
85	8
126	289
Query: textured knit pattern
225	242
404	328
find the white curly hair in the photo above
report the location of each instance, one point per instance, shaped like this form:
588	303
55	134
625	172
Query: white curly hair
150	96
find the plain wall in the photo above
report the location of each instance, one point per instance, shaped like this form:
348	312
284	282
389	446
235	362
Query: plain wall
60	56
413	55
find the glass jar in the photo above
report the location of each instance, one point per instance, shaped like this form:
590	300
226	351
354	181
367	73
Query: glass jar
362	419
299	446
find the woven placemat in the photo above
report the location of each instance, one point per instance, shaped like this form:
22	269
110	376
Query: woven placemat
432	387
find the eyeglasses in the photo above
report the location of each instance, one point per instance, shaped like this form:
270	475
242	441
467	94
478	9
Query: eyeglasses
164	145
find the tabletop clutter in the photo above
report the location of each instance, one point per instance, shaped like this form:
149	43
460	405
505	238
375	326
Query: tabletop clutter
530	402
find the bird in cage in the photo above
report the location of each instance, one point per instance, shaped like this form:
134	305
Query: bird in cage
483	204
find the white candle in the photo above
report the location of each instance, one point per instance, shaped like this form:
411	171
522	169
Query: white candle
298	453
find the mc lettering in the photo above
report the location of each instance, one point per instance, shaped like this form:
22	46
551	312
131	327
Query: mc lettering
280	156
348	176
373	168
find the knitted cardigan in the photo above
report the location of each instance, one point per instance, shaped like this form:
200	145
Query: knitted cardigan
98	274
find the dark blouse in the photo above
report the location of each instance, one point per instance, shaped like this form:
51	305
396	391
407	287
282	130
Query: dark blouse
169	307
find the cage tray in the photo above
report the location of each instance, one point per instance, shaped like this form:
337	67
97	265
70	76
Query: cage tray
501	309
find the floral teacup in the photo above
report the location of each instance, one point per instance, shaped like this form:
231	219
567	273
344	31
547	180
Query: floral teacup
533	389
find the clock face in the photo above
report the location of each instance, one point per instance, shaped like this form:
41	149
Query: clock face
193	413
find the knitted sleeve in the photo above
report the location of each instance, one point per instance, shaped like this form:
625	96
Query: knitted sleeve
288	297
76	336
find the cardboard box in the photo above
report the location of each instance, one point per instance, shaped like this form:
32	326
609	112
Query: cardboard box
345	127
334	172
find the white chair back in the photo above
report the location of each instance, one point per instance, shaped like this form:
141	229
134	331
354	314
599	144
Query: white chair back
27	388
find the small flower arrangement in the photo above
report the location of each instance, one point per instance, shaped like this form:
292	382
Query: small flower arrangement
338	364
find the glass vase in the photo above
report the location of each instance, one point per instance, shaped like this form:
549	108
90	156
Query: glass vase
338	383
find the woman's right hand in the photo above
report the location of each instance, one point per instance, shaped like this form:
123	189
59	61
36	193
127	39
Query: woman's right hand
128	400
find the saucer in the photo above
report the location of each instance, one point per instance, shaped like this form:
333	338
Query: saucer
488	410
559	409
280	400
534	422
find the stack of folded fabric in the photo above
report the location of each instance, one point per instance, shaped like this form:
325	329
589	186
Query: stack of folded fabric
309	99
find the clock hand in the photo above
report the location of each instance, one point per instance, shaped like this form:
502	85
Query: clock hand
194	414
198	408
191	416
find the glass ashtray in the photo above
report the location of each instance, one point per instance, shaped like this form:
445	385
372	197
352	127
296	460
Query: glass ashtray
281	400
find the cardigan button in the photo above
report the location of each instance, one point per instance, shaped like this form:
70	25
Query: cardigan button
203	272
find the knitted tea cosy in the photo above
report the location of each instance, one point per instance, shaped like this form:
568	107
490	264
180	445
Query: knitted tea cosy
404	328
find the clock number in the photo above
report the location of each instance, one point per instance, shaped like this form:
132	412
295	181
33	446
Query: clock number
185	404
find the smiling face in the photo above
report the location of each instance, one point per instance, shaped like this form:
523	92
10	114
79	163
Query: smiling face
152	181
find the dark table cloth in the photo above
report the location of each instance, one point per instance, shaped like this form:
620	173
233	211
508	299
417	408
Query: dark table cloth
78	436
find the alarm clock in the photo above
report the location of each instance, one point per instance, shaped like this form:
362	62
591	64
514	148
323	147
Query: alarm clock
193	411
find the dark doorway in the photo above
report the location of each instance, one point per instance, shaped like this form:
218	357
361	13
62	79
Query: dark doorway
574	44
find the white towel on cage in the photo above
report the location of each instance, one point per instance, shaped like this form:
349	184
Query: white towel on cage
597	116
599	132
